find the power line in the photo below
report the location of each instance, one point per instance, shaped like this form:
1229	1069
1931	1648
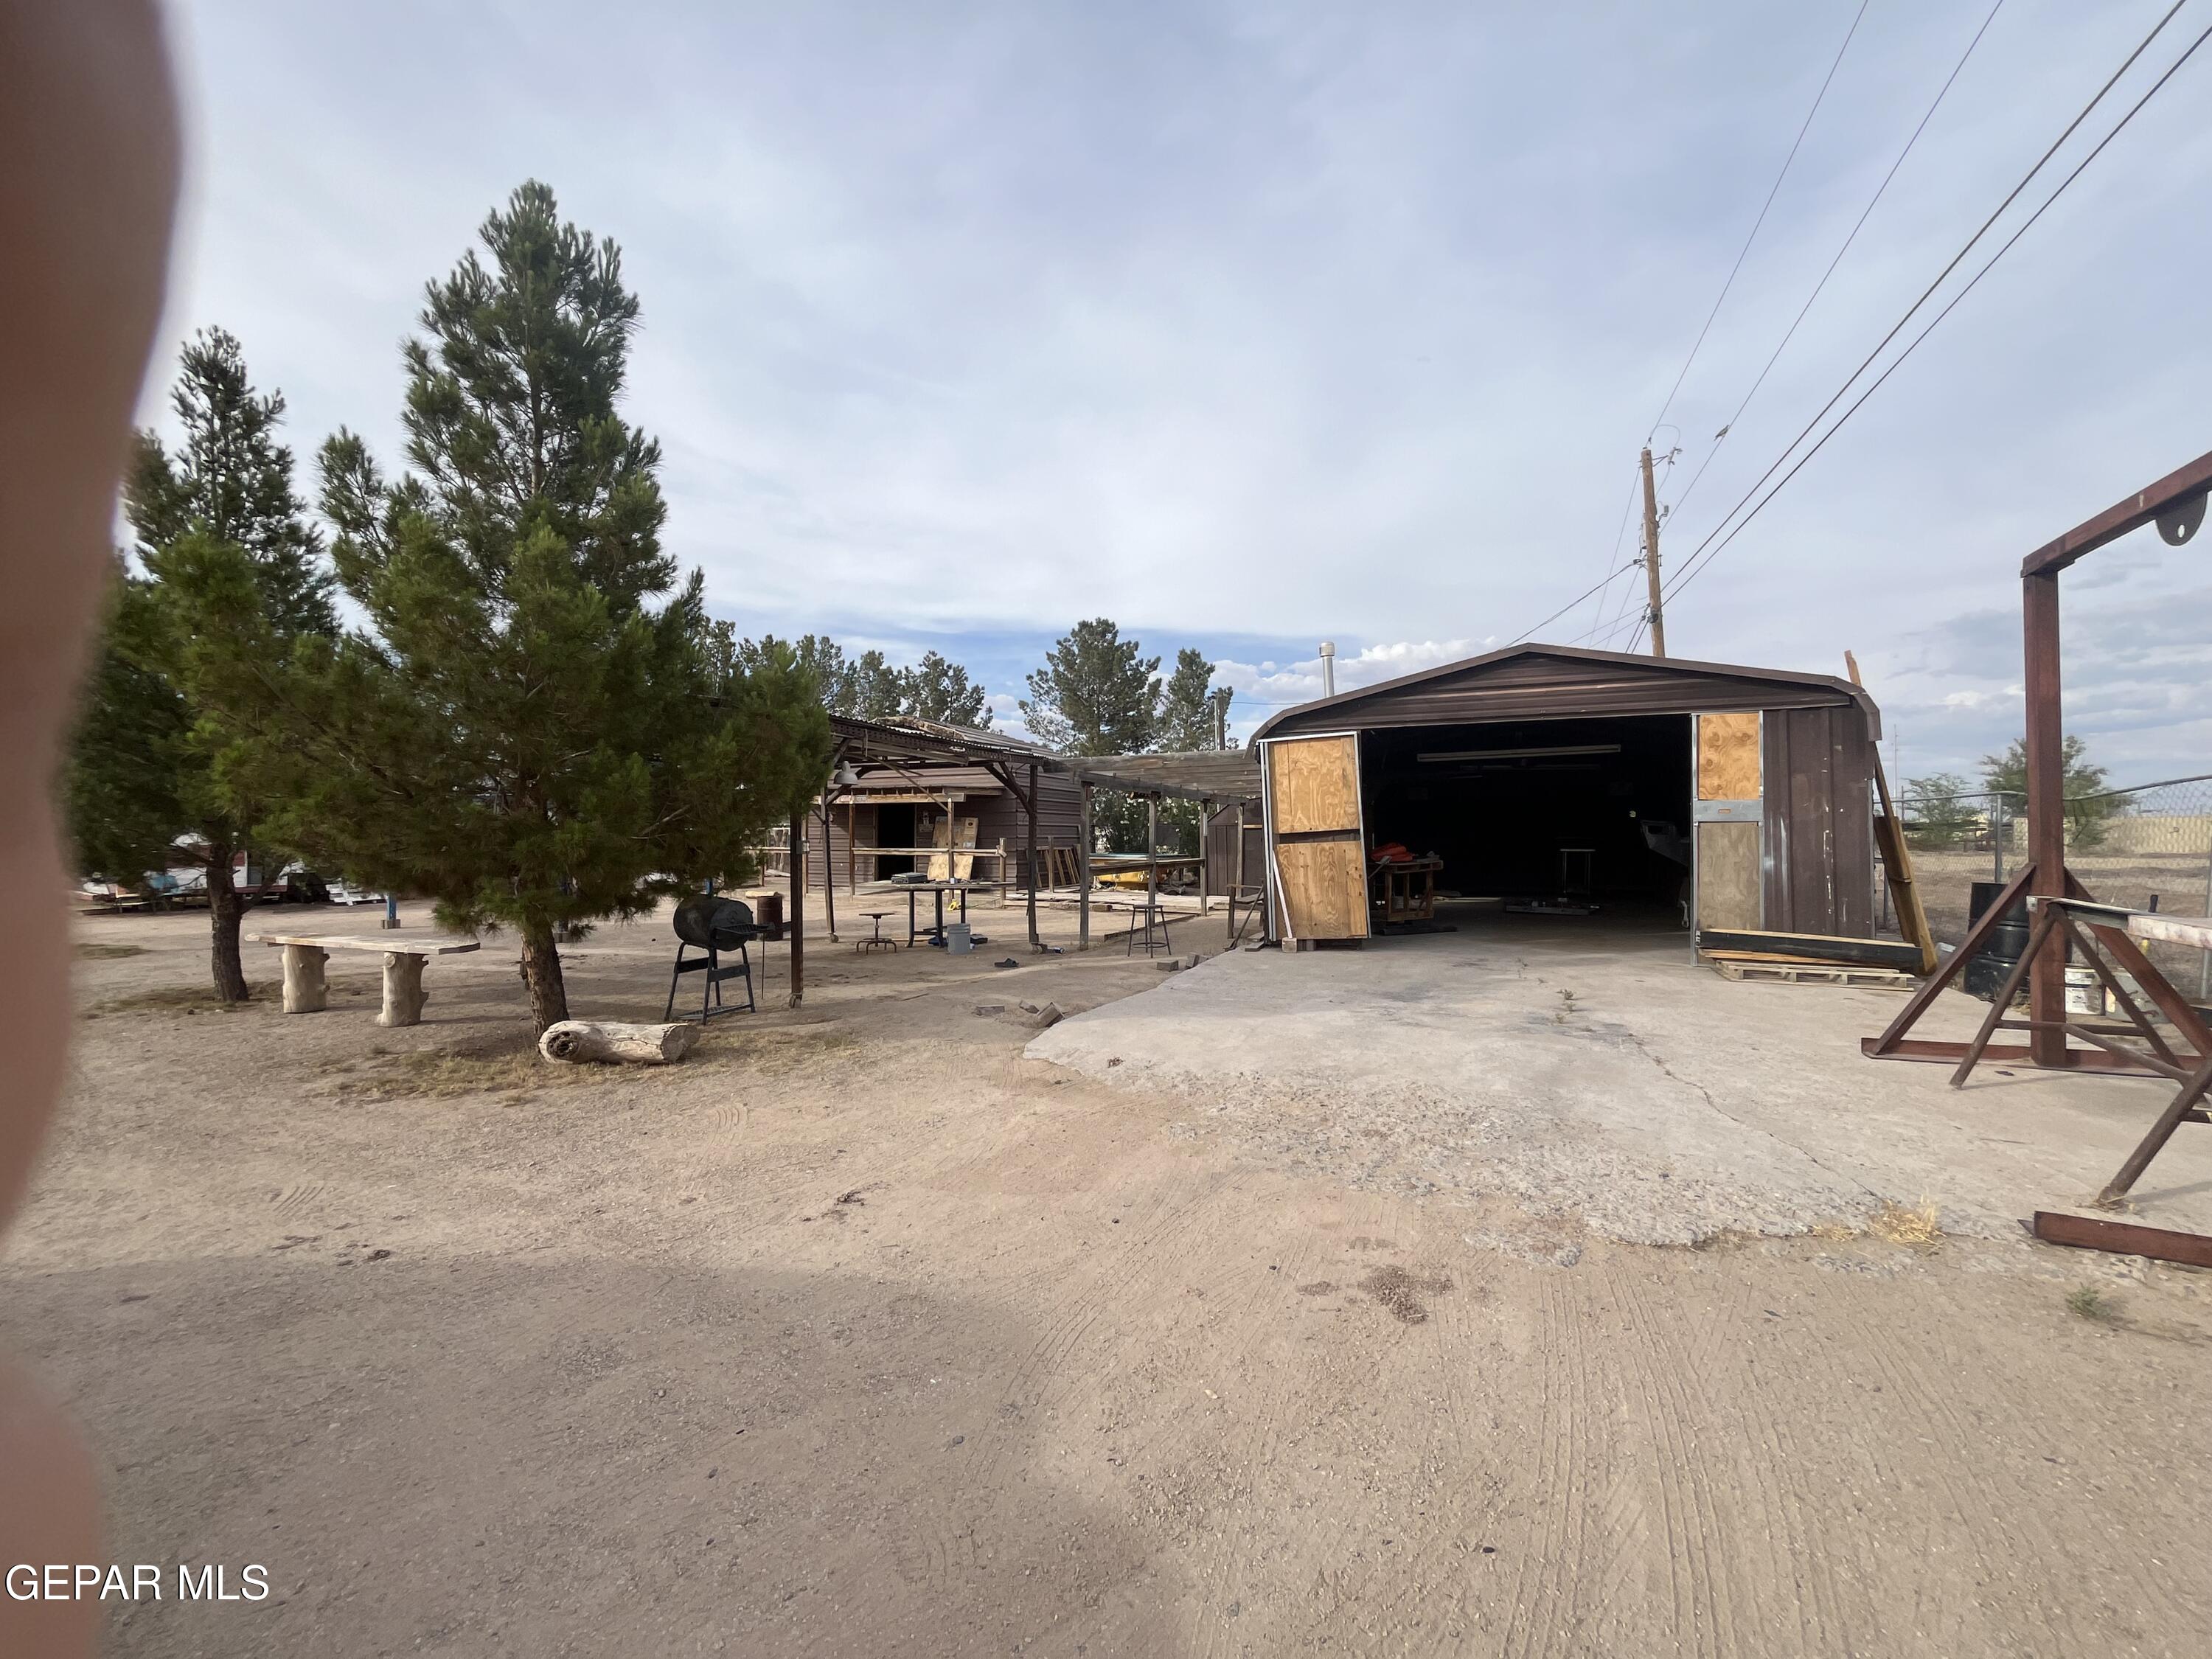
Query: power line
1772	194
1691	570
1942	275
1942	93
1569	606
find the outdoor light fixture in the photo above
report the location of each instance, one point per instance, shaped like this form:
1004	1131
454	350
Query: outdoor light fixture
846	777
1550	753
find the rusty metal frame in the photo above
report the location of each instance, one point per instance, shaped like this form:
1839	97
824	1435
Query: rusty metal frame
2046	875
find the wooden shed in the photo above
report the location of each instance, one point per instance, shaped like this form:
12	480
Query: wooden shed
1731	796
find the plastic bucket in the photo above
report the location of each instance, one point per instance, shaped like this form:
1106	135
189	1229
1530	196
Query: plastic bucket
959	941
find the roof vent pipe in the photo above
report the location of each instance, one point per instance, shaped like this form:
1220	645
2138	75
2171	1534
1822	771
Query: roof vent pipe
1329	668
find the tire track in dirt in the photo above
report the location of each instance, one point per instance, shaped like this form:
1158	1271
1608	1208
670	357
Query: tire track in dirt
1768	1484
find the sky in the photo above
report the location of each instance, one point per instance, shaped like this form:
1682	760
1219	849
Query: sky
1254	326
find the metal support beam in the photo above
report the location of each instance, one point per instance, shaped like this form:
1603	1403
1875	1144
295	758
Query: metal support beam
2046	808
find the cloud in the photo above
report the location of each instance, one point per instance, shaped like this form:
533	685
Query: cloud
1246	323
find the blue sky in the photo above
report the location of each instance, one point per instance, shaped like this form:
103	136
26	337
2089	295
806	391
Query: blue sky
1249	325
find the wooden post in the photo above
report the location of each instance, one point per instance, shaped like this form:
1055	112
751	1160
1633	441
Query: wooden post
829	877
1029	813
1651	558
852	857
1151	869
1237	873
2046	811
798	856
1205	873
1083	874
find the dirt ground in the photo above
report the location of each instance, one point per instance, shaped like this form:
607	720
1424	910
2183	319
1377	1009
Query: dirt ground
860	1333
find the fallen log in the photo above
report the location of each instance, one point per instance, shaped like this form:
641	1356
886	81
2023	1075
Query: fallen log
579	1041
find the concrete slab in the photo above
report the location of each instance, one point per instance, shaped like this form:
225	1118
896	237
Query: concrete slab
1593	1076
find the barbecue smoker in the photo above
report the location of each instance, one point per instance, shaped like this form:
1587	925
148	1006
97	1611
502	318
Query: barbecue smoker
714	927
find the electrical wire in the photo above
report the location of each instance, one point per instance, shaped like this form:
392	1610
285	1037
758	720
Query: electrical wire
1772	194
1942	93
1696	564
1956	260
1568	606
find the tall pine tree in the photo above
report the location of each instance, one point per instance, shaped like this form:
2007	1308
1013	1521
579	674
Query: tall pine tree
220	536
538	726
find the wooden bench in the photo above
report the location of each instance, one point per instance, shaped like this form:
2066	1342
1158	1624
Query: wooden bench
305	992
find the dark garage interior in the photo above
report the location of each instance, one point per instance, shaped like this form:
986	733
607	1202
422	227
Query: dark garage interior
1555	809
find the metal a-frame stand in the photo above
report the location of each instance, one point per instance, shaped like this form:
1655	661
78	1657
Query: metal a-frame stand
2176	504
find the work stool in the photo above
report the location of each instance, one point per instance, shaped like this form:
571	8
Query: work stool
714	927
1156	929
875	941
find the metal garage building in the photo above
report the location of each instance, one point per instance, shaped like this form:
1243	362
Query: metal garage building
1541	773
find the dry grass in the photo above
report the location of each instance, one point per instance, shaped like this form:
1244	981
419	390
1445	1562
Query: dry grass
443	1074
91	952
1902	1223
180	999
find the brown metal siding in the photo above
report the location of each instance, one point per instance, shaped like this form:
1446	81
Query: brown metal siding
1552	688
1819	854
1059	818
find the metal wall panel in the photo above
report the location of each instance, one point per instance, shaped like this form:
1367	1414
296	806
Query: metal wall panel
1819	872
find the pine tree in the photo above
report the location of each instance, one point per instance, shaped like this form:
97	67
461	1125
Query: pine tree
1187	706
1098	694
519	732
221	540
936	689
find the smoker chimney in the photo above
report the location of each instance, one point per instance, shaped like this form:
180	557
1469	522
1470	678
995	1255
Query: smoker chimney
1329	668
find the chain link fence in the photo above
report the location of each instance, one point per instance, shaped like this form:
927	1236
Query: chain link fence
2149	848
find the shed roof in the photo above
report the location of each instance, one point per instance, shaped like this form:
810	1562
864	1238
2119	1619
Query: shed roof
930	748
1560	682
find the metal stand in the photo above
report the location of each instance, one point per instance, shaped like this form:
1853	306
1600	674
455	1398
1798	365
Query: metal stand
709	963
2176	504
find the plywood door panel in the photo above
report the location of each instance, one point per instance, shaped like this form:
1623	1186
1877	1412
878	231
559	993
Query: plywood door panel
1729	879
1325	886
1728	756
1315	782
1320	859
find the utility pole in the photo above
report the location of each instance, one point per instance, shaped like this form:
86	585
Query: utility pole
1651	557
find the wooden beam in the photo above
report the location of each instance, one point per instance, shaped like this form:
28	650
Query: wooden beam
1083	874
798	857
1029	814
829	877
2121	518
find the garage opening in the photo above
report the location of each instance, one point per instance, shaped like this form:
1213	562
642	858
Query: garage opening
1572	812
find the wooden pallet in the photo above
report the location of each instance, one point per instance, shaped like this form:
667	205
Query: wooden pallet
1811	973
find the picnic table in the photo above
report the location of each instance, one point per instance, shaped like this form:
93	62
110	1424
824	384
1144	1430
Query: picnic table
305	955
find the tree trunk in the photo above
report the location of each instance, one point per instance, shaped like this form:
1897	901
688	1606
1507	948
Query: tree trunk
540	972
225	911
